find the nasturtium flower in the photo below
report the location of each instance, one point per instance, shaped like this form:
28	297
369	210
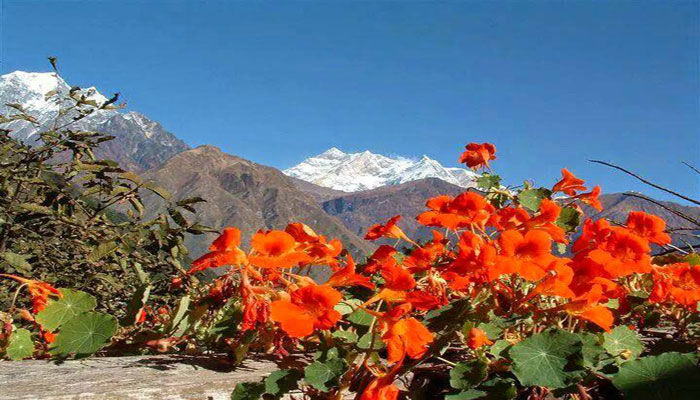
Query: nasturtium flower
389	230
678	283
276	249
592	198
381	388
348	277
558	279
648	226
527	255
569	184
308	308
477	155
622	253
223	251
406	336
38	290
476	338
588	306
467	210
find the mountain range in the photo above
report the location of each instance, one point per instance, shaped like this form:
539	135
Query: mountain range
354	172
140	143
338	194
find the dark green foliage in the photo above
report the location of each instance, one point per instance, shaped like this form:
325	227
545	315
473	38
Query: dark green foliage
73	220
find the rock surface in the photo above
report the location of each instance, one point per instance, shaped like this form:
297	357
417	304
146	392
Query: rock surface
171	377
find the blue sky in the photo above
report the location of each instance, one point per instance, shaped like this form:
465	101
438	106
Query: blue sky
551	84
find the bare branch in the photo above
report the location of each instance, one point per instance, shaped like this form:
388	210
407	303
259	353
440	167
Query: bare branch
691	167
686	198
669	209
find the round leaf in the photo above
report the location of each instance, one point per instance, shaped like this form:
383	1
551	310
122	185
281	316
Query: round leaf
552	359
84	334
667	376
57	312
21	345
321	374
622	341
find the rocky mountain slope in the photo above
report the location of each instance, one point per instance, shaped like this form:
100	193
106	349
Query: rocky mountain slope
140	143
354	172
244	194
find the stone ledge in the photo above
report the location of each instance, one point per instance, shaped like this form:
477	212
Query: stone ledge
171	377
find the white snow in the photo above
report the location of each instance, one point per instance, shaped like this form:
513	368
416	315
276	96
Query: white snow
353	172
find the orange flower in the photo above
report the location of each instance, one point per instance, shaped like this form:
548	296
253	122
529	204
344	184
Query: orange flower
223	251
422	257
477	338
309	308
384	255
591	198
528	255
478	155
40	291
381	388
475	259
348	277
276	249
569	184
622	253
557	281
389	230
397	277
519	219
586	306
679	283
255	311
649	227
467	210
406	336
315	246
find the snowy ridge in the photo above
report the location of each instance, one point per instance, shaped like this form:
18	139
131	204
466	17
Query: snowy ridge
353	172
141	142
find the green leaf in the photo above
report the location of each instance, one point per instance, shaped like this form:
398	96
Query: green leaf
162	192
346	307
624	342
346	336
281	381
21	345
248	391
32	207
552	359
569	219
488	181
591	350
59	311
102	250
466	375
531	198
179	313
136	304
360	317
366	341
17	261
84	334
324	375
666	376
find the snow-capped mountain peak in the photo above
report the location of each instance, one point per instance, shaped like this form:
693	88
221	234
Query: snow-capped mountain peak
140	142
352	172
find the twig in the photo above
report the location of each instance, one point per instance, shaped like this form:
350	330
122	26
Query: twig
647	182
691	167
